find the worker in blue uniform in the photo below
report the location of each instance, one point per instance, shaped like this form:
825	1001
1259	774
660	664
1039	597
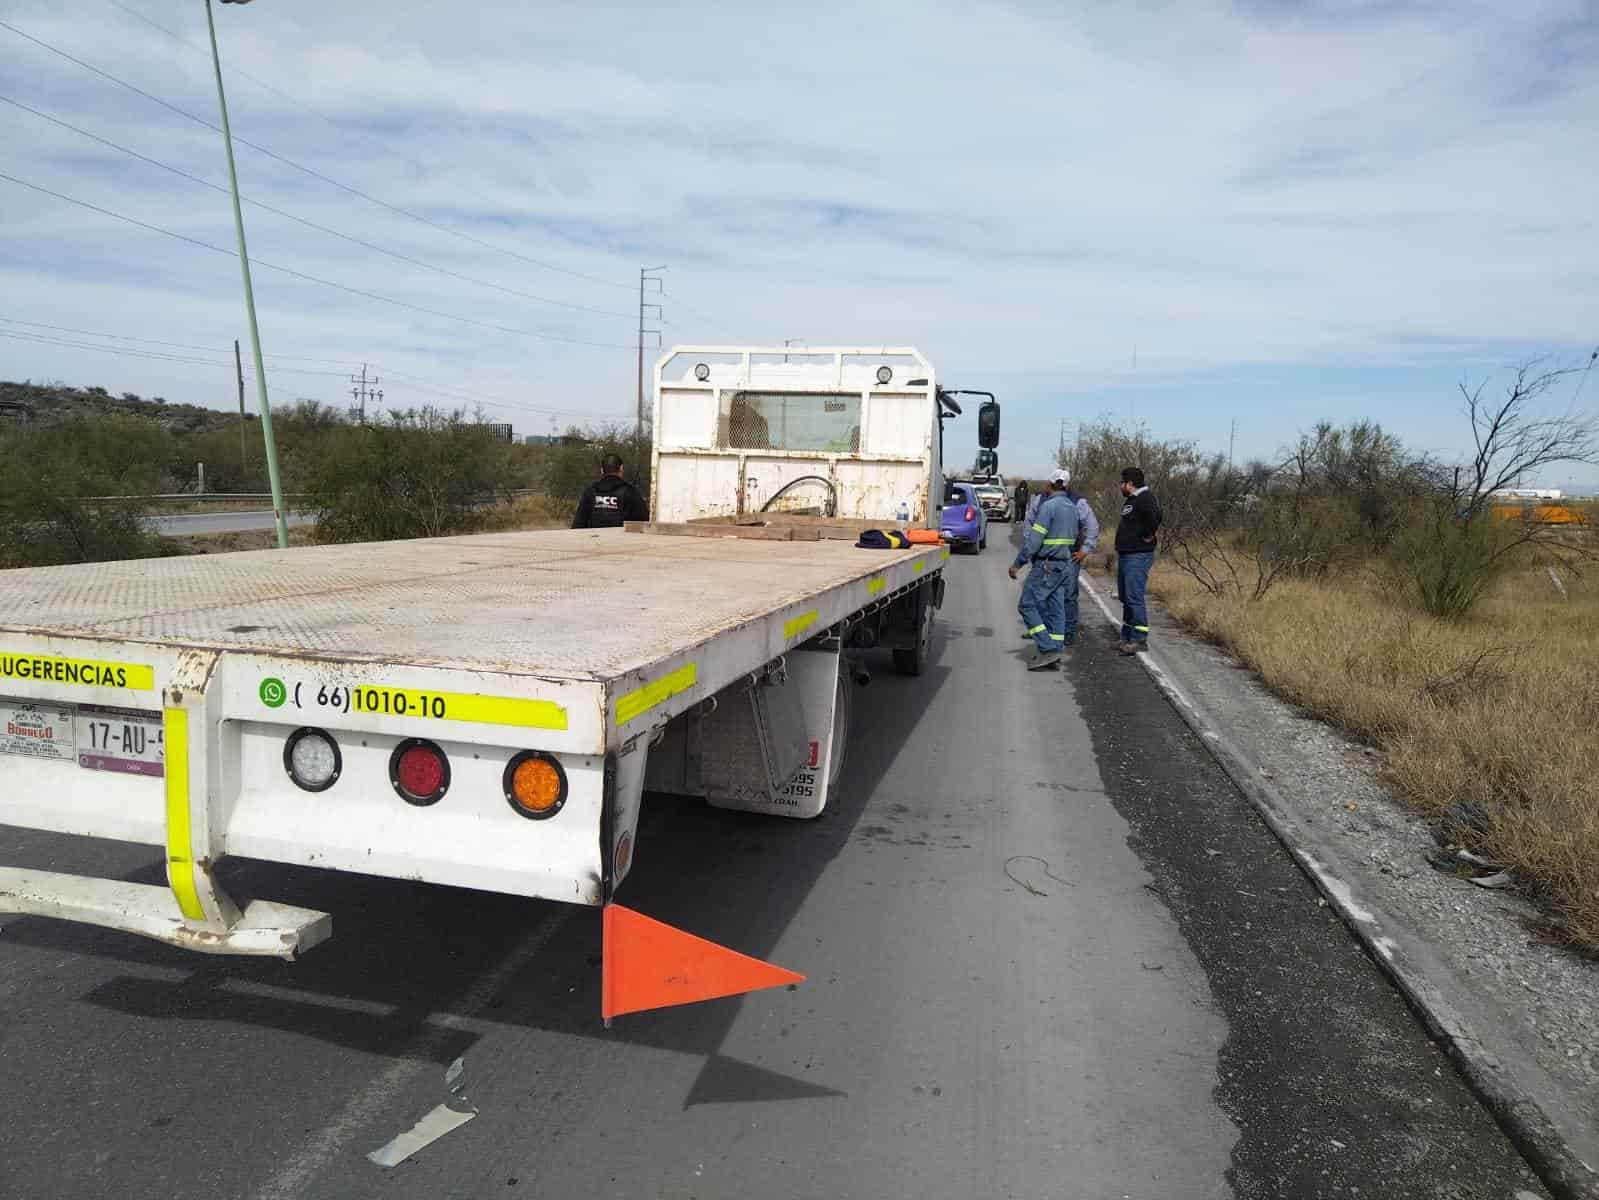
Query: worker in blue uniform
1047	550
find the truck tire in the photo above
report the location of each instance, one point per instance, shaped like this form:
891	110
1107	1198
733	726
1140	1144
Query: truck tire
913	660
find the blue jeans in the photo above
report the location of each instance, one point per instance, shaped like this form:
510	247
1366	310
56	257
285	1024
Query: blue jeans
1068	600
1043	602
1132	576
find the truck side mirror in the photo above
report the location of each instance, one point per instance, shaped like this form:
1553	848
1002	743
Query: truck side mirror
988	425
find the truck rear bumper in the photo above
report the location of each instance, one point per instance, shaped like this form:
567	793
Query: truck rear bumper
264	928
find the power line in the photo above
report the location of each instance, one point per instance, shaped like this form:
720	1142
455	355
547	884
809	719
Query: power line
290	271
122	337
46	340
153	355
313	173
309	224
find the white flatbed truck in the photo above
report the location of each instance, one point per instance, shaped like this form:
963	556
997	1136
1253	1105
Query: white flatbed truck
481	711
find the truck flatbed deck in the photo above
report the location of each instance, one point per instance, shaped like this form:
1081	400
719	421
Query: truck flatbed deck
584	606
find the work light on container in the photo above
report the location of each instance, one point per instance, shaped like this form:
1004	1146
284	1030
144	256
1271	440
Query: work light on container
419	772
702	371
535	785
311	757
884	374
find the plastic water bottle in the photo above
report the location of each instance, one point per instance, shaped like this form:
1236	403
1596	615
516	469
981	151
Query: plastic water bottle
904	512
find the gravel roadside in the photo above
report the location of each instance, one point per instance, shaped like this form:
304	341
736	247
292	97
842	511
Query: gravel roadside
1529	1011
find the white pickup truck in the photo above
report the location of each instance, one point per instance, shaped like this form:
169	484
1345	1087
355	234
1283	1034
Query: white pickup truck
480	711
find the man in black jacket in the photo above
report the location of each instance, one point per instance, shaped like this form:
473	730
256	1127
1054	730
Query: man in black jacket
1135	554
610	500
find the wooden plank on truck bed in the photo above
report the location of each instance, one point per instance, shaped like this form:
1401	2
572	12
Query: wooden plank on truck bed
758	533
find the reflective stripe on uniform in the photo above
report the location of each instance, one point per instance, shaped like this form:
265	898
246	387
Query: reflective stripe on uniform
1037	528
1036	629
1059	541
1057	637
1141	628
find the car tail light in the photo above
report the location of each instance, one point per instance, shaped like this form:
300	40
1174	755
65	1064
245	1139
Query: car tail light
535	785
419	772
311	757
971	513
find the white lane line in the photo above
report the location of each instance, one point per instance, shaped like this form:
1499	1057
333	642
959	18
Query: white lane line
292	1179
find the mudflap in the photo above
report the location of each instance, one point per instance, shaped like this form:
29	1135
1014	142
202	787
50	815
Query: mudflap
813	681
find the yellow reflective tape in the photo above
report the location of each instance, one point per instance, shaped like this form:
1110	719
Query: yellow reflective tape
798	625
637	703
920	563
84	672
944	555
1059	541
873	586
1036	629
180	840
1037	528
456	706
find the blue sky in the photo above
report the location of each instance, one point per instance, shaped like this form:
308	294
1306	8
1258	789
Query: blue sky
1284	212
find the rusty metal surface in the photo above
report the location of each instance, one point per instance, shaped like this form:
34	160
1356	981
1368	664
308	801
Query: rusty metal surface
572	604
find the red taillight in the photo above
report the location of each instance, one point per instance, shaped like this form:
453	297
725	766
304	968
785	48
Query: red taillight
419	772
971	513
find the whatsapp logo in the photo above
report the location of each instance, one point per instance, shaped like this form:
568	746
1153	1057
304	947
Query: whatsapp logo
273	693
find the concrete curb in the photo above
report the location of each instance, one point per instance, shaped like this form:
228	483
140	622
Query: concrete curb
1518	1112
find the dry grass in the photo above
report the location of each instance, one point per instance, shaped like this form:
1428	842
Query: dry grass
530	512
1500	713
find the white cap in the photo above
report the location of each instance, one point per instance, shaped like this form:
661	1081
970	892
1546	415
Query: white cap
1062	477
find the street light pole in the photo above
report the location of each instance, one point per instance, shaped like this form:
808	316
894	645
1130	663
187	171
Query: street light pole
249	294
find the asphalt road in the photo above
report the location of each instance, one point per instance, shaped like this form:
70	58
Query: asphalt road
190	524
1051	953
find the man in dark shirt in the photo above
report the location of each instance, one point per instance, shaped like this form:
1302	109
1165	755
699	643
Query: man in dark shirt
610	500
1135	554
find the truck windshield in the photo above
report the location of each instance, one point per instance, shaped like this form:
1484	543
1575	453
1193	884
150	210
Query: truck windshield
815	421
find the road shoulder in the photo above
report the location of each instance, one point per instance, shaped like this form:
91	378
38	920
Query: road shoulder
1519	1016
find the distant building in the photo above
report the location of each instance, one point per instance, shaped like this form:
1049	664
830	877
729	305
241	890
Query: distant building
1528	494
502	433
17	410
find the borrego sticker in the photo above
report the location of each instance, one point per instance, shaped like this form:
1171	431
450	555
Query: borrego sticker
36	730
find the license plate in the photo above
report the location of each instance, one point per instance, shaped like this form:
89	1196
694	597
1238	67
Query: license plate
130	740
36	730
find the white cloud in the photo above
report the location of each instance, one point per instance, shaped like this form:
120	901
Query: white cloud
1014	188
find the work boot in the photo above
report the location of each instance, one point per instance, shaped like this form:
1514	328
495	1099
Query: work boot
1134	647
1043	660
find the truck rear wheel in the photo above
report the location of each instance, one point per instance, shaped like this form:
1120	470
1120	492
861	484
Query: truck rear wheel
913	660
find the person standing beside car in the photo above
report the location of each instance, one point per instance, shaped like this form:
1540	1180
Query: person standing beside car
1135	554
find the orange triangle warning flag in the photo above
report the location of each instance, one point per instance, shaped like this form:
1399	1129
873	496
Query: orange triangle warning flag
651	965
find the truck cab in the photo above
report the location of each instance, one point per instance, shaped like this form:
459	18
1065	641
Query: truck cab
848	432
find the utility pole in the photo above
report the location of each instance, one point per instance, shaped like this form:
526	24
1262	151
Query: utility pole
363	390
271	445
1231	438
1060	447
645	275
244	449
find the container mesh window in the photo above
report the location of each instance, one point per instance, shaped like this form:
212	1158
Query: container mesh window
825	423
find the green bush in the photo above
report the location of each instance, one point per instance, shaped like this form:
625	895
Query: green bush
1447	564
422	474
47	470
